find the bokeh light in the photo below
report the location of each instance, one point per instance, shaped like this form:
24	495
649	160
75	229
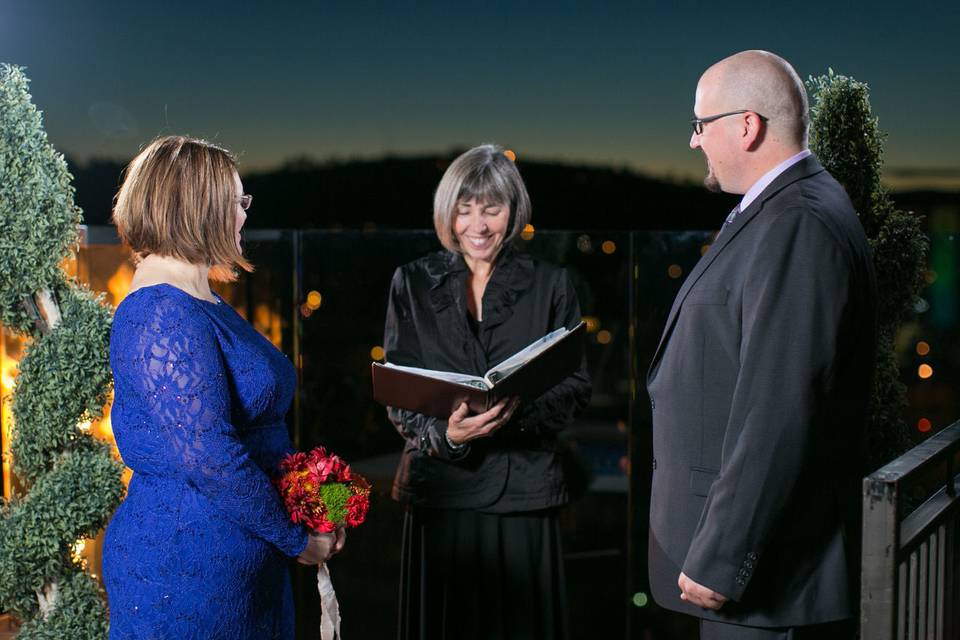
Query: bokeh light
585	244
925	371
592	322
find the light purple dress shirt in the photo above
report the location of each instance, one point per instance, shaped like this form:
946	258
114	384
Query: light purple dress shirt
769	177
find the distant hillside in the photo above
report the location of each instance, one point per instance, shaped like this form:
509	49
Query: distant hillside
398	193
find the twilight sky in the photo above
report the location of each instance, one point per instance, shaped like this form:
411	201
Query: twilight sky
600	83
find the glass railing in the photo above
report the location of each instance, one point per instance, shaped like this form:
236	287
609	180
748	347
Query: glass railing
320	297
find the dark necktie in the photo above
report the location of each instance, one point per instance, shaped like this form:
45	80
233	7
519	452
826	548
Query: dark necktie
730	218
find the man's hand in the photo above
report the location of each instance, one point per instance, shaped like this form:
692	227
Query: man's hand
700	595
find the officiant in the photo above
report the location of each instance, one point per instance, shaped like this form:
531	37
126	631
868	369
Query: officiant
481	551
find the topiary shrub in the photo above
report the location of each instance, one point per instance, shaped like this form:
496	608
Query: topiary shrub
847	138
71	481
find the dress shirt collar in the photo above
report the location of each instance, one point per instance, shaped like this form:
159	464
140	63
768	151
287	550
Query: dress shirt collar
769	177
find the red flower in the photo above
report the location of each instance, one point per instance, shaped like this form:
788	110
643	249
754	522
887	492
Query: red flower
300	477
357	507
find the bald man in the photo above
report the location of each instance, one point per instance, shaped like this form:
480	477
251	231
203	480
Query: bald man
760	384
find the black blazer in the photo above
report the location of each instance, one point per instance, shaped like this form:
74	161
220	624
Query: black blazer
759	389
518	468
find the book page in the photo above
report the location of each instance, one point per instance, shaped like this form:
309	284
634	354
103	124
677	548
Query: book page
448	376
523	356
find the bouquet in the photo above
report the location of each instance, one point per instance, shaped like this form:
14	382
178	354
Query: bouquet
320	491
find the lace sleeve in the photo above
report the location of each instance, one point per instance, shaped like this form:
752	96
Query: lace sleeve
179	371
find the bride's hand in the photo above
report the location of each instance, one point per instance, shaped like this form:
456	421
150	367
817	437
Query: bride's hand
341	534
319	548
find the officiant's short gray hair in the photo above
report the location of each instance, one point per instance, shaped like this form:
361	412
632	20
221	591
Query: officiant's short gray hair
485	174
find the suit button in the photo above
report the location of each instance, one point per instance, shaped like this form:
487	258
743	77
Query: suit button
653	404
751	556
654	464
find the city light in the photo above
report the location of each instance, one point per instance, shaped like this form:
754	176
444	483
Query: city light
377	353
925	371
592	322
528	231
924	425
314	300
604	337
674	271
923	348
608	247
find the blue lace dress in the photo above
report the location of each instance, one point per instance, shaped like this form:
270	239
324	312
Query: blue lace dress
199	547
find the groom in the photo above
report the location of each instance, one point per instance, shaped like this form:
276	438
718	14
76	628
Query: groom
760	384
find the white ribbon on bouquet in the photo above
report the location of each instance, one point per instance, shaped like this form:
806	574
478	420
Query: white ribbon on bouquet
329	607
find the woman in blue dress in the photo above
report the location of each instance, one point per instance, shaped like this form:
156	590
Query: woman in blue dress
199	547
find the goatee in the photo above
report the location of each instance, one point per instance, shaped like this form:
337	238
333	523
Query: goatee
711	183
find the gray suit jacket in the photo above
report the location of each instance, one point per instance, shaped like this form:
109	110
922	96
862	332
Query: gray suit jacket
759	389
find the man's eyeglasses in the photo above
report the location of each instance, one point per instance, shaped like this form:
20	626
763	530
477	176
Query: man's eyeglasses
245	201
699	122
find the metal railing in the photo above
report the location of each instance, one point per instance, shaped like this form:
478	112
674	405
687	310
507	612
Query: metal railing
910	587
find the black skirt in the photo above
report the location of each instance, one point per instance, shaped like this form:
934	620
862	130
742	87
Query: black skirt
469	575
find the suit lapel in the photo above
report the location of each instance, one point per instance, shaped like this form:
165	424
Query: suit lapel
803	169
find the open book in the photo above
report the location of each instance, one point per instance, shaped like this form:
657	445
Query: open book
528	373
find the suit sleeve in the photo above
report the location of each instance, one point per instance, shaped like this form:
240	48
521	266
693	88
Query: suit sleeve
557	408
794	298
402	346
